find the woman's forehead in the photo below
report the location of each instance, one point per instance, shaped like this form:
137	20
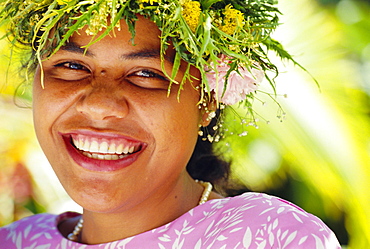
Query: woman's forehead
145	44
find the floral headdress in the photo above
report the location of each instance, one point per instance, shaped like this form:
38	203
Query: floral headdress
226	40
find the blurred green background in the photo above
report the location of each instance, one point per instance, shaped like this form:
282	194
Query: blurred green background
318	157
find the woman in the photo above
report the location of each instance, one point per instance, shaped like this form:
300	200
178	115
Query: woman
121	89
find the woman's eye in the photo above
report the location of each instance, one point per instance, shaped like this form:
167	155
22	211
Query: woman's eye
69	71
148	79
72	65
149	74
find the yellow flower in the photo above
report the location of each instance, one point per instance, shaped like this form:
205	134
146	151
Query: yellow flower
191	13
232	19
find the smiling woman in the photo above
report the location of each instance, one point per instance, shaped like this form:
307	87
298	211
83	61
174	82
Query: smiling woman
114	103
119	99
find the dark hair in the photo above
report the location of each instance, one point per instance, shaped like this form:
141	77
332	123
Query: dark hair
206	164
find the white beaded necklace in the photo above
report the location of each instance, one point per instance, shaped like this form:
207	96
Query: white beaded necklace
205	195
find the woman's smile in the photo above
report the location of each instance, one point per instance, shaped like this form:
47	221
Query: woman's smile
102	152
104	149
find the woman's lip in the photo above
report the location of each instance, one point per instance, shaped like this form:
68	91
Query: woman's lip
96	164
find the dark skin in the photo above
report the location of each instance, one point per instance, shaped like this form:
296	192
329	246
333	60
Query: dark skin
118	92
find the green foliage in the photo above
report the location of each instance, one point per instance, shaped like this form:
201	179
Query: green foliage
318	157
43	27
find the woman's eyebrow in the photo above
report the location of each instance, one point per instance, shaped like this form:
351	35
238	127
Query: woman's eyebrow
74	47
140	54
144	54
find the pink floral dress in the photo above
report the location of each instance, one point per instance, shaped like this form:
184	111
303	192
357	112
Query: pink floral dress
251	220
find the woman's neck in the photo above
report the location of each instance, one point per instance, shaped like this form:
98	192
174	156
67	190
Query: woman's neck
151	213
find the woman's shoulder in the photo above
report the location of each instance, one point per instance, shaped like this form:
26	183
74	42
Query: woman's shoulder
261	218
262	207
260	204
29	221
33	230
250	220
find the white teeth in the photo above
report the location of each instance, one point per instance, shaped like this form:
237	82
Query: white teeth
112	148
94	147
102	157
125	150
86	146
119	149
132	148
87	154
80	142
103	150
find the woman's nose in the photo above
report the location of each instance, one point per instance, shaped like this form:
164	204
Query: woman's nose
103	102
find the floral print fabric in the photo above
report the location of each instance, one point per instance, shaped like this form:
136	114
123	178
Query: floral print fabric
251	220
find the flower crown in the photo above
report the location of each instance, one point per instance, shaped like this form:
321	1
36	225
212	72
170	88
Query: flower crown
226	40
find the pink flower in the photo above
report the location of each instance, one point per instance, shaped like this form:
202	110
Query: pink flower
239	84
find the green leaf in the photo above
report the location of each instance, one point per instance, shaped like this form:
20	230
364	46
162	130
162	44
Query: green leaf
206	4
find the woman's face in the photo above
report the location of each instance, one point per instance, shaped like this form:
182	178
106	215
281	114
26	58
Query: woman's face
106	124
